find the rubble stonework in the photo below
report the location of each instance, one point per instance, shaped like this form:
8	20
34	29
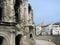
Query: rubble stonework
16	23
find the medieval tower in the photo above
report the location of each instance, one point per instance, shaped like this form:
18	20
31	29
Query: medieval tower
16	23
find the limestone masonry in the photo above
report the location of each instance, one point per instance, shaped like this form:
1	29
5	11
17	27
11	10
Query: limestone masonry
16	23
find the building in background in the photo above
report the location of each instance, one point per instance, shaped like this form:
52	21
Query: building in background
50	29
38	28
56	28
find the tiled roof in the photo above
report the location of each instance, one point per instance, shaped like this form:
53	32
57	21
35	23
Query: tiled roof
57	23
45	26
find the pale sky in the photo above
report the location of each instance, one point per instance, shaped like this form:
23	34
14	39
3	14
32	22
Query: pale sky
47	11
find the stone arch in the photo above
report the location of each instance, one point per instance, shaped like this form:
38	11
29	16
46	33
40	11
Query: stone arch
4	39
18	39
19	32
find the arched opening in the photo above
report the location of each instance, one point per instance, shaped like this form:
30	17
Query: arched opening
29	8
18	39
31	36
16	8
3	41
0	13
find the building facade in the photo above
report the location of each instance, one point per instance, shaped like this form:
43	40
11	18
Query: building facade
56	29
39	28
16	23
50	29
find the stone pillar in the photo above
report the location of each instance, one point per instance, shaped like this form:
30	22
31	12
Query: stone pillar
12	39
26	23
21	12
25	40
31	17
8	11
21	15
26	12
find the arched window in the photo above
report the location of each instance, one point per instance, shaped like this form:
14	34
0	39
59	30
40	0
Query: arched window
16	7
18	39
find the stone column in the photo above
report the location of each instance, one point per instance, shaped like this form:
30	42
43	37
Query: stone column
12	39
25	40
8	11
26	23
26	12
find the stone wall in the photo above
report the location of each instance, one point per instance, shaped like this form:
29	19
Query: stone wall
14	25
54	39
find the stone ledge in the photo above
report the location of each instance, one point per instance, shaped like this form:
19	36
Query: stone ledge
8	23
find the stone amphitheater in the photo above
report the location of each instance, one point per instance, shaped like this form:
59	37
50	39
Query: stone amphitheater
16	23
